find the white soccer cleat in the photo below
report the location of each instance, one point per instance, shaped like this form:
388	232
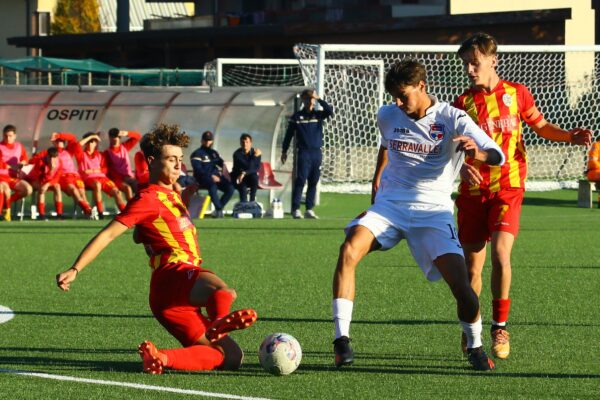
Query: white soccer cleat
296	214
310	214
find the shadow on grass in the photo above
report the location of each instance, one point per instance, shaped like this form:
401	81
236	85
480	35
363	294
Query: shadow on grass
408	322
546	202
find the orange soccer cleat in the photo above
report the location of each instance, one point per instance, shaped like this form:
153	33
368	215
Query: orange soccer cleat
240	319
151	358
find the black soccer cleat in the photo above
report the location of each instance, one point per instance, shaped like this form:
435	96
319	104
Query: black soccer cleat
343	352
479	360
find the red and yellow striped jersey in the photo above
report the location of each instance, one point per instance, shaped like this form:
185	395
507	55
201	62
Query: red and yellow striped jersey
594	157
164	226
499	113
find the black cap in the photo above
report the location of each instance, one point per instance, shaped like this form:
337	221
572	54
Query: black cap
208	135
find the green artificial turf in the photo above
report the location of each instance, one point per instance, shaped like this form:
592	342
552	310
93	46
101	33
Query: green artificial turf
405	333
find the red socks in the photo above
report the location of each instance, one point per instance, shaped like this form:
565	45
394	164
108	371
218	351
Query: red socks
15	196
500	310
41	208
121	206
1	201
59	207
193	358
100	207
85	206
219	304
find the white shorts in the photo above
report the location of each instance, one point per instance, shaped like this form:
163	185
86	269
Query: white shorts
429	231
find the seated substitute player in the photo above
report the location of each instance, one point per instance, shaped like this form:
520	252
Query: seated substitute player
490	197
244	173
422	141
92	168
118	163
70	180
15	156
179	287
4	188
142	175
593	166
44	176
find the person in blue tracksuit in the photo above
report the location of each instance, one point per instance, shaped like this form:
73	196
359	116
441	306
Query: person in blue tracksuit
307	126
208	172
246	164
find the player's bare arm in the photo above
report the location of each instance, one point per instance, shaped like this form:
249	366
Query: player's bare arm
382	161
471	149
578	136
89	253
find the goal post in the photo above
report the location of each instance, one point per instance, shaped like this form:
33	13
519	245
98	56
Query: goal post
562	79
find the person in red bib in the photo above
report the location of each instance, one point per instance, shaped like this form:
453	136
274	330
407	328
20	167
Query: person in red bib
92	168
15	157
4	189
44	176
142	175
490	198
118	163
70	181
191	302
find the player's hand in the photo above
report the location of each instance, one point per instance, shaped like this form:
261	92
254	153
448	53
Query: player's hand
470	174
582	137
283	158
374	188
467	145
64	279
257	152
315	95
216	179
53	136
123	133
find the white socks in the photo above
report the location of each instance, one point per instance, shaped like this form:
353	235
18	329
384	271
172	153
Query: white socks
342	315
473	332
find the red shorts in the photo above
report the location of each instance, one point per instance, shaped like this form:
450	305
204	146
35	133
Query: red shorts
119	180
479	216
106	184
170	288
71	179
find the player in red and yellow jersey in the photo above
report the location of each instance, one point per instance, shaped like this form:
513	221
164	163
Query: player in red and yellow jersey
489	203
179	287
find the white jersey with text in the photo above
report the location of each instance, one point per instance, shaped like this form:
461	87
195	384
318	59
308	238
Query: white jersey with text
422	159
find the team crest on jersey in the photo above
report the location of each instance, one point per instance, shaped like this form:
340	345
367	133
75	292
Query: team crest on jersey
436	132
507	99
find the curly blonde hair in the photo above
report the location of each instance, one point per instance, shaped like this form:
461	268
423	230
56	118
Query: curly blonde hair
163	134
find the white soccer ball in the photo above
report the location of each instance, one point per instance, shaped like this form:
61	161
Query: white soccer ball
280	354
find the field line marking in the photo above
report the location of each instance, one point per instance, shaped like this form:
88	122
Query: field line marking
6	314
129	385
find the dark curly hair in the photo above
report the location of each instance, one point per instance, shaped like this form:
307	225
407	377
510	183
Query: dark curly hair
163	134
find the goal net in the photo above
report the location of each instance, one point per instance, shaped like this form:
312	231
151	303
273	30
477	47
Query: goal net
563	81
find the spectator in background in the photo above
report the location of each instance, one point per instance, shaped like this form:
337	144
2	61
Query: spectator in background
209	171
593	166
92	168
307	126
45	176
246	163
15	156
117	157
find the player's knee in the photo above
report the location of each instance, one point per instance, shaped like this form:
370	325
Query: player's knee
349	253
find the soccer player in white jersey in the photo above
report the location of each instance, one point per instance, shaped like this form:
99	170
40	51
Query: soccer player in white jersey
423	142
